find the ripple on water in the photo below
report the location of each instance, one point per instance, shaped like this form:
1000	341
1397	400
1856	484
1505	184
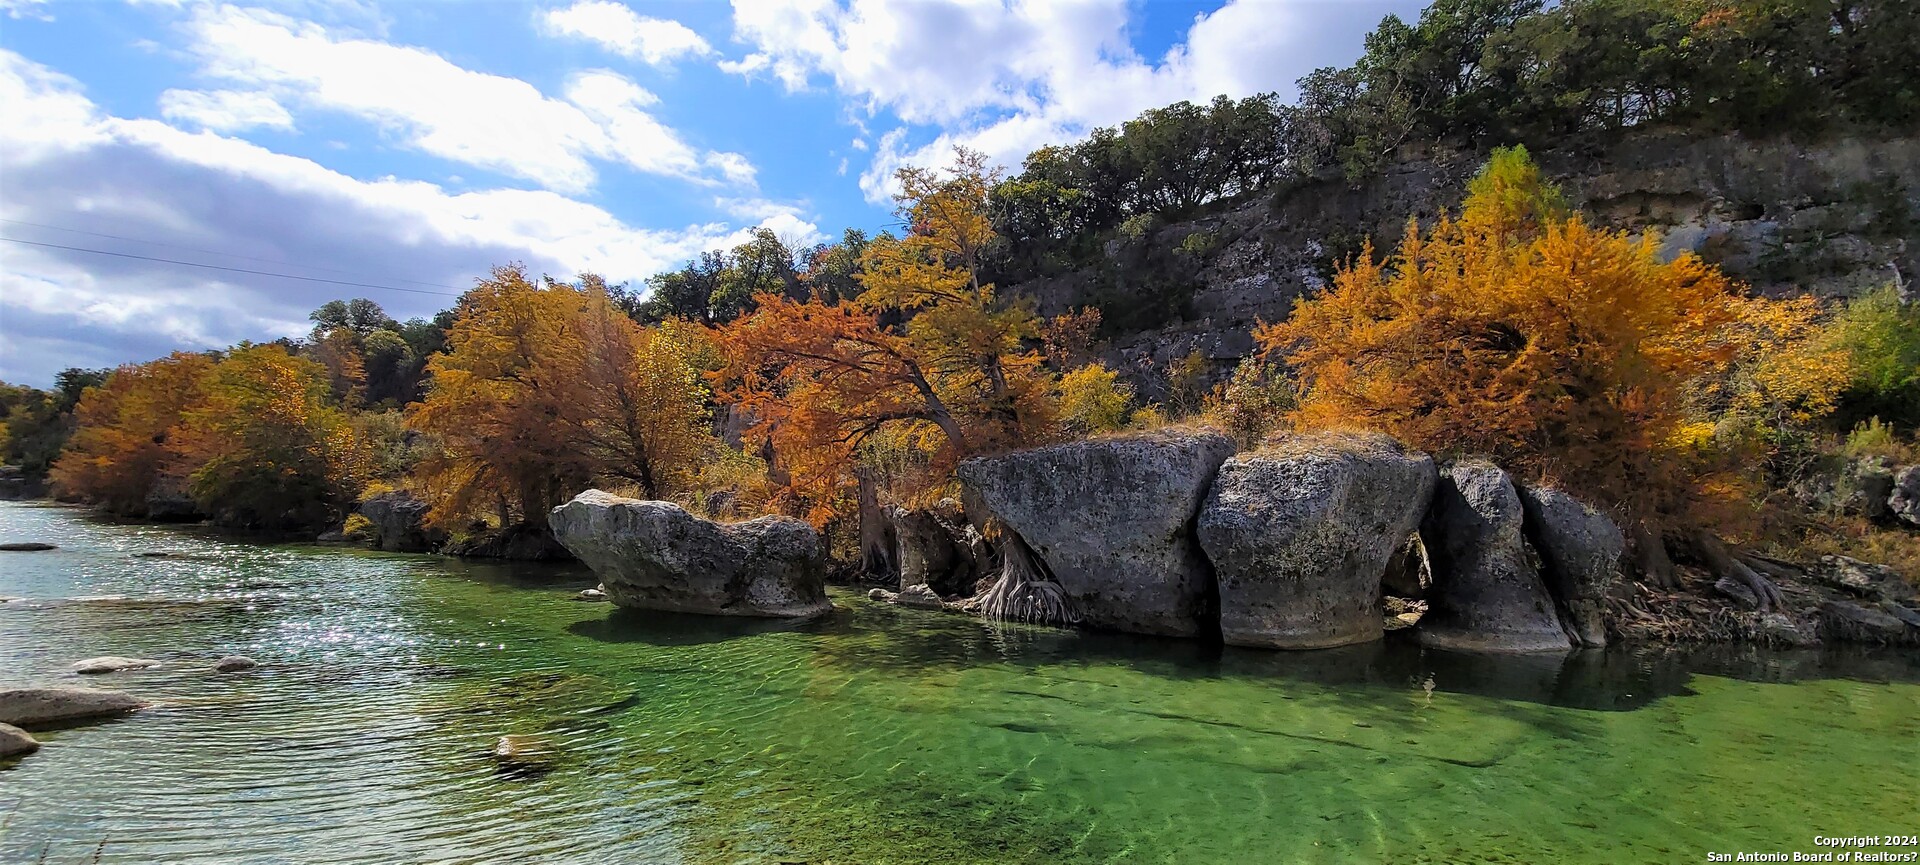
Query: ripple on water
879	734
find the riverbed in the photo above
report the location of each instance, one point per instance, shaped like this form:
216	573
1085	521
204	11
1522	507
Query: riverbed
876	735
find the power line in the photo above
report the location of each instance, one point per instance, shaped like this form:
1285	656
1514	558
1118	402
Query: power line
228	269
216	252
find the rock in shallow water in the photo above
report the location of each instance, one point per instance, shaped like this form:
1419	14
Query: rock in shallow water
32	707
30	547
14	740
112	664
1486	594
1301	534
234	664
1110	518
656	556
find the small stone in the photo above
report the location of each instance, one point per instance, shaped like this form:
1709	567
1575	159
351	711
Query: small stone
112	664
234	664
26	547
920	597
523	752
879	595
15	741
591	595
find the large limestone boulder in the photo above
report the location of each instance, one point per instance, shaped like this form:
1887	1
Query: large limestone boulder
1904	503
1111	519
1580	548
656	556
1486	595
35	707
1301	533
933	547
400	522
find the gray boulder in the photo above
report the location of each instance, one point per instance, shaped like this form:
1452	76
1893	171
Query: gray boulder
400	522
1487	596
15	741
1904	502
1580	548
1850	622
1111	520
35	707
112	664
656	556
1300	534
932	547
919	596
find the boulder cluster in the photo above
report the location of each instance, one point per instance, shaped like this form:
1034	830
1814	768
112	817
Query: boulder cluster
1308	542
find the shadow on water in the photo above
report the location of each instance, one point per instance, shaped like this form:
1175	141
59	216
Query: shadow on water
684	629
1614	679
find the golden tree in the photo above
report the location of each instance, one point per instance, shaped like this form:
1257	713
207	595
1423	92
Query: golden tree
1519	331
124	429
268	447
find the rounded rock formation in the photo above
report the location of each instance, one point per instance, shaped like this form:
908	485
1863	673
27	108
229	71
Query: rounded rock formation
15	741
656	556
112	664
1300	535
1580	548
1486	594
1110	518
33	707
234	664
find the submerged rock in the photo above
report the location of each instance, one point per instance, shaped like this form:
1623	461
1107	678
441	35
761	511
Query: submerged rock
112	664
1111	520
1580	548
656	556
234	664
15	741
1301	534
27	547
1486	594
519	752
400	522
33	707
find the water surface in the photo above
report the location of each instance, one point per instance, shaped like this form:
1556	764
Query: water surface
879	735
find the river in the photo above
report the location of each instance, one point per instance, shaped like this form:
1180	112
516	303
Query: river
877	735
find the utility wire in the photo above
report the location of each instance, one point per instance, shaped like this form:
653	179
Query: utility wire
216	252
228	269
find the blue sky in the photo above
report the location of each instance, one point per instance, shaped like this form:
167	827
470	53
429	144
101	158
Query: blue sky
413	145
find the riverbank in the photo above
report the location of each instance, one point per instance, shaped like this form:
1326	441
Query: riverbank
875	733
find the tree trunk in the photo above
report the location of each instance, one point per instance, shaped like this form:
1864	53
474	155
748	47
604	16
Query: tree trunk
876	532
1650	555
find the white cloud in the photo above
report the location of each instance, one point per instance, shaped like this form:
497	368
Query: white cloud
224	110
70	165
35	10
489	121
1005	78
619	29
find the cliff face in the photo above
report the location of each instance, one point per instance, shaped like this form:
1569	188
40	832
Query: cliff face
1833	218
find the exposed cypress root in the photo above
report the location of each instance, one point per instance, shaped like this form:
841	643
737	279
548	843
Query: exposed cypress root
1024	591
1726	566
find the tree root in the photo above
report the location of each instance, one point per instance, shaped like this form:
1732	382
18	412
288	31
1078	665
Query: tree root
1728	567
1023	592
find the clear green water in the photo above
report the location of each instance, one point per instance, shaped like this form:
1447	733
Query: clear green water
881	735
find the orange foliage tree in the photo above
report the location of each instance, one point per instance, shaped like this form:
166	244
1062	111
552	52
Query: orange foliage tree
547	390
124	432
269	448
820	380
1519	331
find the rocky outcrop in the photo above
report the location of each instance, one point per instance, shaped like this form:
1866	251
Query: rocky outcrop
656	556
1580	548
935	547
1486	595
111	664
1904	503
1111	520
520	542
15	741
1301	533
400	523
1851	622
35	707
